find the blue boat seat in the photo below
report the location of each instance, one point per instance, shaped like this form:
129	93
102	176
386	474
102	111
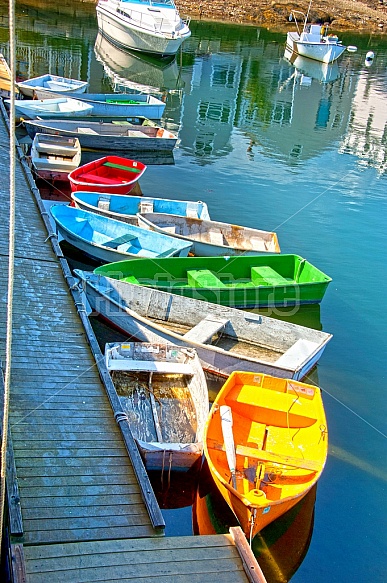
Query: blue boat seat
114	243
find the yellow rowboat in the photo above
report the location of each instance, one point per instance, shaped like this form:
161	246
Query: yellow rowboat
266	444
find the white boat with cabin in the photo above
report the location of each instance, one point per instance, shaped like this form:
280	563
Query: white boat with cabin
313	40
143	25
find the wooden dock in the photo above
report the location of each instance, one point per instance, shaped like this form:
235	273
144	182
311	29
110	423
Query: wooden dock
81	508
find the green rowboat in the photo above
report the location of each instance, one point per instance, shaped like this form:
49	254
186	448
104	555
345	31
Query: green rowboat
241	282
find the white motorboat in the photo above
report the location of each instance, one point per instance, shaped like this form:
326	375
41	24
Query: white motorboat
146	26
313	40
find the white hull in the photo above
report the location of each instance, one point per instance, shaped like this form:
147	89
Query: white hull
135	37
324	52
117	302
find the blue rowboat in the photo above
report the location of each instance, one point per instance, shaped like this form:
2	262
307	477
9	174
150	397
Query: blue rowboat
118	104
108	240
125	208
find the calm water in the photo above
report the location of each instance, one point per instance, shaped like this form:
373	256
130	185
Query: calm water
302	152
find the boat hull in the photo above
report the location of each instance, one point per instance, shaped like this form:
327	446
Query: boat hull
266	445
107	240
244	282
317	51
213	238
51	83
115	207
135	38
163	390
110	174
108	136
117	301
124	105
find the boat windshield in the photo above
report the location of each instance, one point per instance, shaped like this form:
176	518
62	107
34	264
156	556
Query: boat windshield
162	3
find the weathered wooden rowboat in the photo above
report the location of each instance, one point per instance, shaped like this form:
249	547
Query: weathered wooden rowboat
118	104
212	238
163	391
50	82
226	339
266	444
110	174
96	135
106	239
240	282
53	157
125	208
59	108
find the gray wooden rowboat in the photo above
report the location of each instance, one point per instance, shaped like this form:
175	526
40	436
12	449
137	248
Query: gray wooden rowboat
95	135
163	391
226	339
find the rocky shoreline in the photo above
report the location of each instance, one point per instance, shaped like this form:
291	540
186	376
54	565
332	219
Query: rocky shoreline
367	16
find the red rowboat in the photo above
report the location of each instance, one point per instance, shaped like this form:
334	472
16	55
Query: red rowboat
111	174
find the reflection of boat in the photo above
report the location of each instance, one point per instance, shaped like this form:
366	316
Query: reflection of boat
266	445
226	339
143	25
136	71
279	548
243	282
312	41
323	72
163	391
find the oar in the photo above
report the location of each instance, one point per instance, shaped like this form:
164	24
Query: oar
226	418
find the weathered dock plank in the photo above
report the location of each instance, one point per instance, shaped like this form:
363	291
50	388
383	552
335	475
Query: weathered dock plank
59	410
182	559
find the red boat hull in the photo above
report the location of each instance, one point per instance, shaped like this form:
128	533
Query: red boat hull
110	174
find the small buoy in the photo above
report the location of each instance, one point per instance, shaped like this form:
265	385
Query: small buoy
369	56
352	49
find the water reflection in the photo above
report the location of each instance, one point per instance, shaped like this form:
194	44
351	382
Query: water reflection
279	548
306	69
129	71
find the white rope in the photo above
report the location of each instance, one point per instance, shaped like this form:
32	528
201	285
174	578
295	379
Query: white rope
11	258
